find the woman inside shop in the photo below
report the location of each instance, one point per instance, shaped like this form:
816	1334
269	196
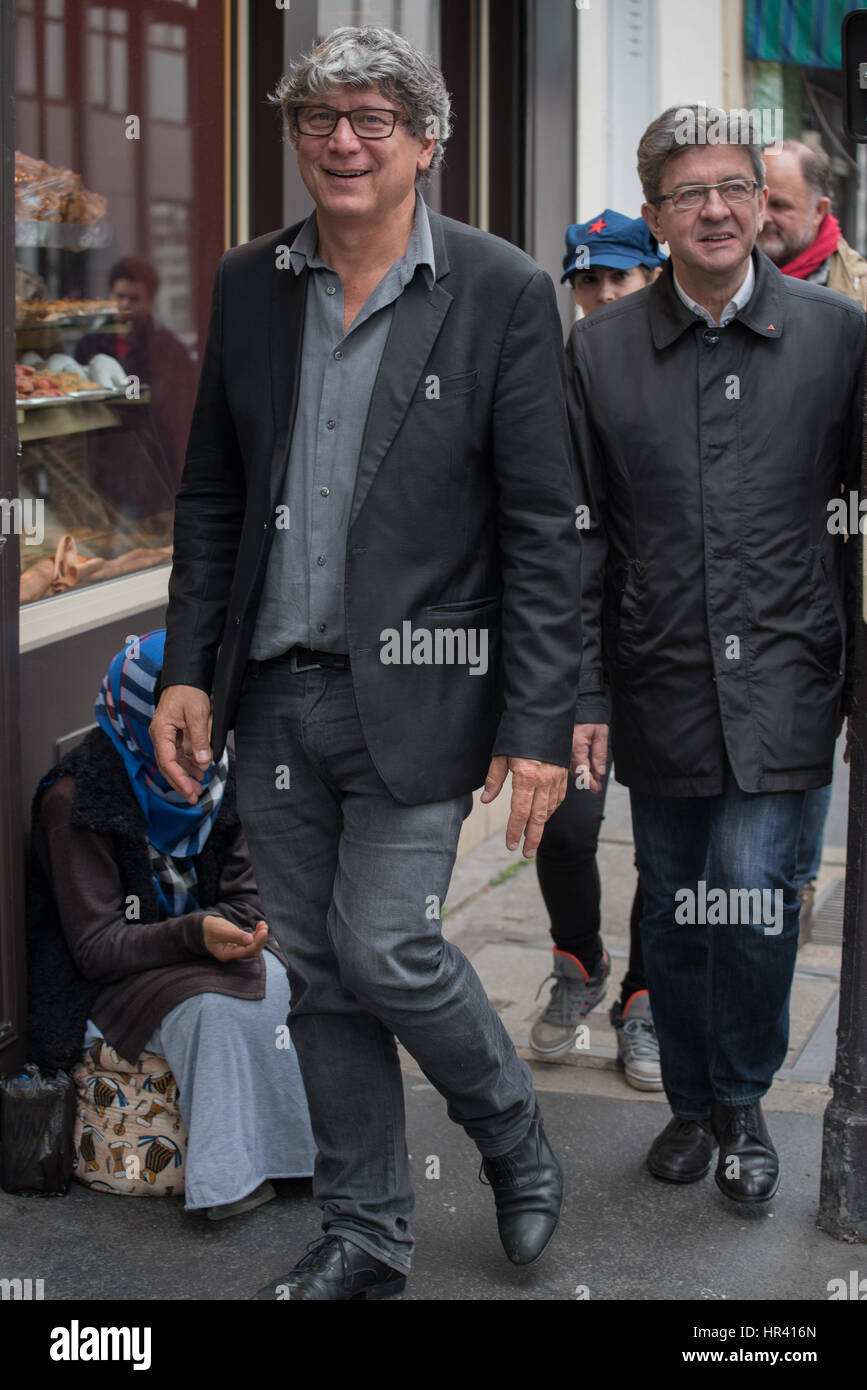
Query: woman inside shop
145	930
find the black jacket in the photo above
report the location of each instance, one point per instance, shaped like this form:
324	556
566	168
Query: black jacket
463	514
718	608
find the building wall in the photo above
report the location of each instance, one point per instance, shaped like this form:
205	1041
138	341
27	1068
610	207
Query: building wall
635	58
551	138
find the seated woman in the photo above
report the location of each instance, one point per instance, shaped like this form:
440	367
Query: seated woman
145	929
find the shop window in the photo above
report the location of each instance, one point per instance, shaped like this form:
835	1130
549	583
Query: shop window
25	49
107	61
120	221
811	100
167	71
54	52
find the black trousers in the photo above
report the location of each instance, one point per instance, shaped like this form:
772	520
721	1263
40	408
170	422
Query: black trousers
569	880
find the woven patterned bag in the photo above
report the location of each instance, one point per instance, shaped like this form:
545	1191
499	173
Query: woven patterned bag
129	1135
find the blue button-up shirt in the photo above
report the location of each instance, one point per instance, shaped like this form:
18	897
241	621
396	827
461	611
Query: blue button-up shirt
302	599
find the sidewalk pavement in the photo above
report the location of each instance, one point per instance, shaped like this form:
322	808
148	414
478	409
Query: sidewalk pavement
623	1234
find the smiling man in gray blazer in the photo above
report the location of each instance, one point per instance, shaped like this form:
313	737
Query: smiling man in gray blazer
376	572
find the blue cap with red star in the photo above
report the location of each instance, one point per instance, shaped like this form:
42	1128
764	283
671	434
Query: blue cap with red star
610	240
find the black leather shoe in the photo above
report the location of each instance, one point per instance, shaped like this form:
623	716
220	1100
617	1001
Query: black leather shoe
336	1269
683	1152
528	1193
748	1169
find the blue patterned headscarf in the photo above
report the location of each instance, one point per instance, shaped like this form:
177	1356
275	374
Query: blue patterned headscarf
176	831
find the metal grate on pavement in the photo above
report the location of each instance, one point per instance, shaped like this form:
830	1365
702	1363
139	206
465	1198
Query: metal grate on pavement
828	915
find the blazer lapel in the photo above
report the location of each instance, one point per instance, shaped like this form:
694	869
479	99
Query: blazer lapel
287	327
418	317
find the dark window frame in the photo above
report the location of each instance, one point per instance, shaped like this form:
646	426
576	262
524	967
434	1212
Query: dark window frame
12	830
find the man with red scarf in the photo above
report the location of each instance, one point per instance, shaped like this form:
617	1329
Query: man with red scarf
801	235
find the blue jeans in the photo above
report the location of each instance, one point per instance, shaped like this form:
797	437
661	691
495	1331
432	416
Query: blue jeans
720	990
817	803
351	883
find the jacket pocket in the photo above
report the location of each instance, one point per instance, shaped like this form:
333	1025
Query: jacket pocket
624	620
462	607
828	626
436	389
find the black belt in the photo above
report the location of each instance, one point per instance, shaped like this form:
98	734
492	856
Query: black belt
306	659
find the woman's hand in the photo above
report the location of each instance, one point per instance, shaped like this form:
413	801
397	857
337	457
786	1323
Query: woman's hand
228	942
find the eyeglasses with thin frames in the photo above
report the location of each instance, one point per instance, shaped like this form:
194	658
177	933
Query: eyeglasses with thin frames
695	195
367	122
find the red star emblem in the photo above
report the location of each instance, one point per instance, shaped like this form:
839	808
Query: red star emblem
597	226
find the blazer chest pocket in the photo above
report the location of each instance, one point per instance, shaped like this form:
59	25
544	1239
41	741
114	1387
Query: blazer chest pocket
435	389
463	608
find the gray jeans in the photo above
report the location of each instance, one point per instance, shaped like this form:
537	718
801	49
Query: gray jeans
351	882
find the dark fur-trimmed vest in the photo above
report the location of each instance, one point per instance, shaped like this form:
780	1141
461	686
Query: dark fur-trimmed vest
59	998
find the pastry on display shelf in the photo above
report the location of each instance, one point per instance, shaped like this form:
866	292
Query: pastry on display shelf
69	570
61	375
33	313
107	371
28	285
62	362
29	311
44	193
38	383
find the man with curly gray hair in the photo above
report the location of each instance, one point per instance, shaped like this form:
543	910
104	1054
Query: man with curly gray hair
376	529
359	59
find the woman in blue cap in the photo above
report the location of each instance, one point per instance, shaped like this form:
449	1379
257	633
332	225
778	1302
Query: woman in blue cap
145	930
609	257
606	258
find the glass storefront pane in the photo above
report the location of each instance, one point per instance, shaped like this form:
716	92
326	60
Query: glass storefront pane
120	178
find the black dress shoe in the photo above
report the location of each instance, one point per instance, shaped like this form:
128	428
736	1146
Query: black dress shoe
336	1269
528	1193
748	1169
683	1152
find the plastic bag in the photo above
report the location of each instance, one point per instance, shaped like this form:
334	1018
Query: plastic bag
44	193
37	1115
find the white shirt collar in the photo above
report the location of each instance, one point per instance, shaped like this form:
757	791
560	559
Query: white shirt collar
737	302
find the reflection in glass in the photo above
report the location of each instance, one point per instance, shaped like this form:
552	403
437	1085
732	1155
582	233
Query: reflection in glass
120	227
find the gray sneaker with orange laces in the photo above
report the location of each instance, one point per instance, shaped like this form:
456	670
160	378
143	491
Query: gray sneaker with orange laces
637	1043
574	994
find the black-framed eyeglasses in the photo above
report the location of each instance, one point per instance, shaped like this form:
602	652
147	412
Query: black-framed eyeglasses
367	122
695	195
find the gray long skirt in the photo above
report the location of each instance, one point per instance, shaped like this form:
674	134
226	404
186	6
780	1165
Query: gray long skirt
241	1096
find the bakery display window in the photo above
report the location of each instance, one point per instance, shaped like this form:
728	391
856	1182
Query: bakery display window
120	219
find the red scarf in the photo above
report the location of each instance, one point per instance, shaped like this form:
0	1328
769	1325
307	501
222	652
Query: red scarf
824	246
